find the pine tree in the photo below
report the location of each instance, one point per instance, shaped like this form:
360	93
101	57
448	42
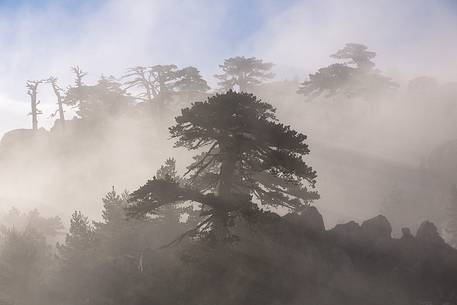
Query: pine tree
250	160
78	261
45	226
175	216
357	54
80	238
117	234
190	84
113	205
97	102
244	73
24	257
355	76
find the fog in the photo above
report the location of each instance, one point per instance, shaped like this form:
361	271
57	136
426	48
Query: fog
297	37
375	151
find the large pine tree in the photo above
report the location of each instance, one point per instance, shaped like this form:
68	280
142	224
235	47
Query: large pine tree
249	159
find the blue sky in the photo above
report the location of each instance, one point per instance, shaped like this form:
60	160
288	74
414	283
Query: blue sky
245	15
45	37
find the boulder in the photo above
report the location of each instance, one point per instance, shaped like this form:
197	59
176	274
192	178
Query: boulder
376	228
346	230
406	234
429	233
309	220
23	139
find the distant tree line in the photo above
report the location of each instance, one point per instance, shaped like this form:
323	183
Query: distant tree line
158	85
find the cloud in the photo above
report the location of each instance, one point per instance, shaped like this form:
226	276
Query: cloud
37	43
411	37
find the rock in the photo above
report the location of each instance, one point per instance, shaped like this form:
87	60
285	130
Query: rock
406	234
376	228
309	220
346	230
429	233
16	135
23	139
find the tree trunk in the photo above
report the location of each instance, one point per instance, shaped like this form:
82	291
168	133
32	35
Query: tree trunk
34	113
61	113
226	178
56	89
32	91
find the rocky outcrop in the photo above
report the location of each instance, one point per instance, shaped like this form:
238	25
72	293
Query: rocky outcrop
372	230
377	228
351	263
406	234
428	232
349	230
308	221
23	140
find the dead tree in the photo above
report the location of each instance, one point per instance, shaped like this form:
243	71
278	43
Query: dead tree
79	75
32	91
141	77
156	83
75	94
58	92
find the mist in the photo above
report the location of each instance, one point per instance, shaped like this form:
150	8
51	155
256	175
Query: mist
379	126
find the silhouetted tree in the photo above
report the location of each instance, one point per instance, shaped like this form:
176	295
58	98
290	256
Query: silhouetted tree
58	93
118	234
76	93
96	102
78	262
245	73
140	77
24	256
45	226
357	54
79	76
330	80
250	155
32	91
78	240
113	211
191	84
180	211
156	83
354	77
168	170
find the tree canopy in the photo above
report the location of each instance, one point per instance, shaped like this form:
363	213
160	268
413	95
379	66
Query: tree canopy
244	73
94	102
357	54
190	83
355	76
249	161
159	83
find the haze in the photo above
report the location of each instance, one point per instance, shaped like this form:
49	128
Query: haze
149	141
